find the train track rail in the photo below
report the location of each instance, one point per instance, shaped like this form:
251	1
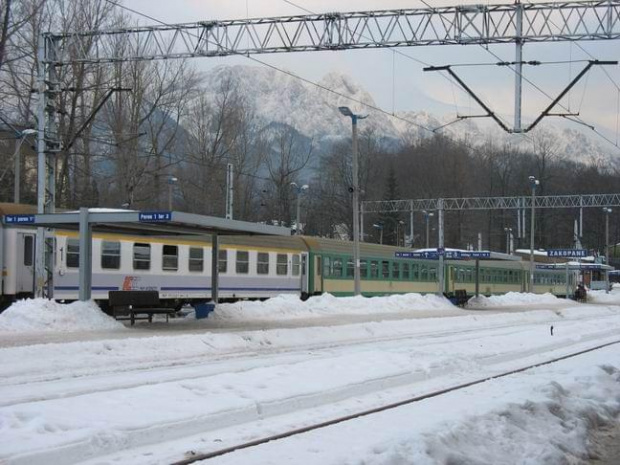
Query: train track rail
383	408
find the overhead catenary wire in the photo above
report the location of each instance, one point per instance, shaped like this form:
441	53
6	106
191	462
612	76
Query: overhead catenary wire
283	71
542	91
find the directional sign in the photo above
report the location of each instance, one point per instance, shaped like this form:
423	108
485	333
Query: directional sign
154	217
476	254
578	253
448	254
19	219
426	255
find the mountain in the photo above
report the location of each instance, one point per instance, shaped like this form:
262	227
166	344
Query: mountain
313	111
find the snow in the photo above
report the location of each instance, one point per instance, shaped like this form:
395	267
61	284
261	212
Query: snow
151	400
290	307
46	315
512	299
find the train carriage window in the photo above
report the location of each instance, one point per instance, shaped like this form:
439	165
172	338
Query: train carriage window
423	273
282	264
296	265
110	255
327	264
406	271
243	262
374	269
73	253
222	261
385	270
415	272
395	270
350	268
141	256
196	259
364	269
170	258
337	267
28	250
262	263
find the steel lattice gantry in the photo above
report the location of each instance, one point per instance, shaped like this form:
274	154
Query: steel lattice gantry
462	25
493	203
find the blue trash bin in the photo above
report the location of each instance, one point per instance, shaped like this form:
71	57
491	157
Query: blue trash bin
203	310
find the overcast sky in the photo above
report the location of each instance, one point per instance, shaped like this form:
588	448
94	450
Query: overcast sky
397	82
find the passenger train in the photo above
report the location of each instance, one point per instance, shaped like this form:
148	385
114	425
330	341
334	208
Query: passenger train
250	267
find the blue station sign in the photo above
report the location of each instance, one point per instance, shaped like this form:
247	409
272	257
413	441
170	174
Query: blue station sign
154	217
570	253
19	219
448	254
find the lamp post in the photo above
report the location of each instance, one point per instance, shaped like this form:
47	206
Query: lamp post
426	215
299	190
508	232
379	226
172	180
607	211
400	225
346	111
534	183
21	136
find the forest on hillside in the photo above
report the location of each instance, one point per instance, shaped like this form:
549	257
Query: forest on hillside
162	126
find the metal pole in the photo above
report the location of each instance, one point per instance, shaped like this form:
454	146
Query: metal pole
215	270
531	283
440	245
477	277
362	222
567	282
18	167
356	220
297	231
41	123
170	194
427	238
230	193
607	212
518	64
411	226
86	257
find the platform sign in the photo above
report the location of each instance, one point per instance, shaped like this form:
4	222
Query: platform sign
154	217
448	254
476	254
19	219
571	253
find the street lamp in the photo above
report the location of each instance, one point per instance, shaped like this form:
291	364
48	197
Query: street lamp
534	183
426	215
172	180
400	225
379	226
21	136
607	211
346	111
508	232
299	190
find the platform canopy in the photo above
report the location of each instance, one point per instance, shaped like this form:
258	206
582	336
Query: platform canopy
146	223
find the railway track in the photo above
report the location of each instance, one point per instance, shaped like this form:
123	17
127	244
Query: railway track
299	431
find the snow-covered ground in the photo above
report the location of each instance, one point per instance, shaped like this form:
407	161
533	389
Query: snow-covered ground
159	399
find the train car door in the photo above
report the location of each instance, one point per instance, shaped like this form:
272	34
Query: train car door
318	274
25	263
304	274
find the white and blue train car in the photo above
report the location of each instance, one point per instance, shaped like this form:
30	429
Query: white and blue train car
180	268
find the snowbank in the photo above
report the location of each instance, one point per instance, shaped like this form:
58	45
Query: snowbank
601	297
47	315
290	307
514	299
